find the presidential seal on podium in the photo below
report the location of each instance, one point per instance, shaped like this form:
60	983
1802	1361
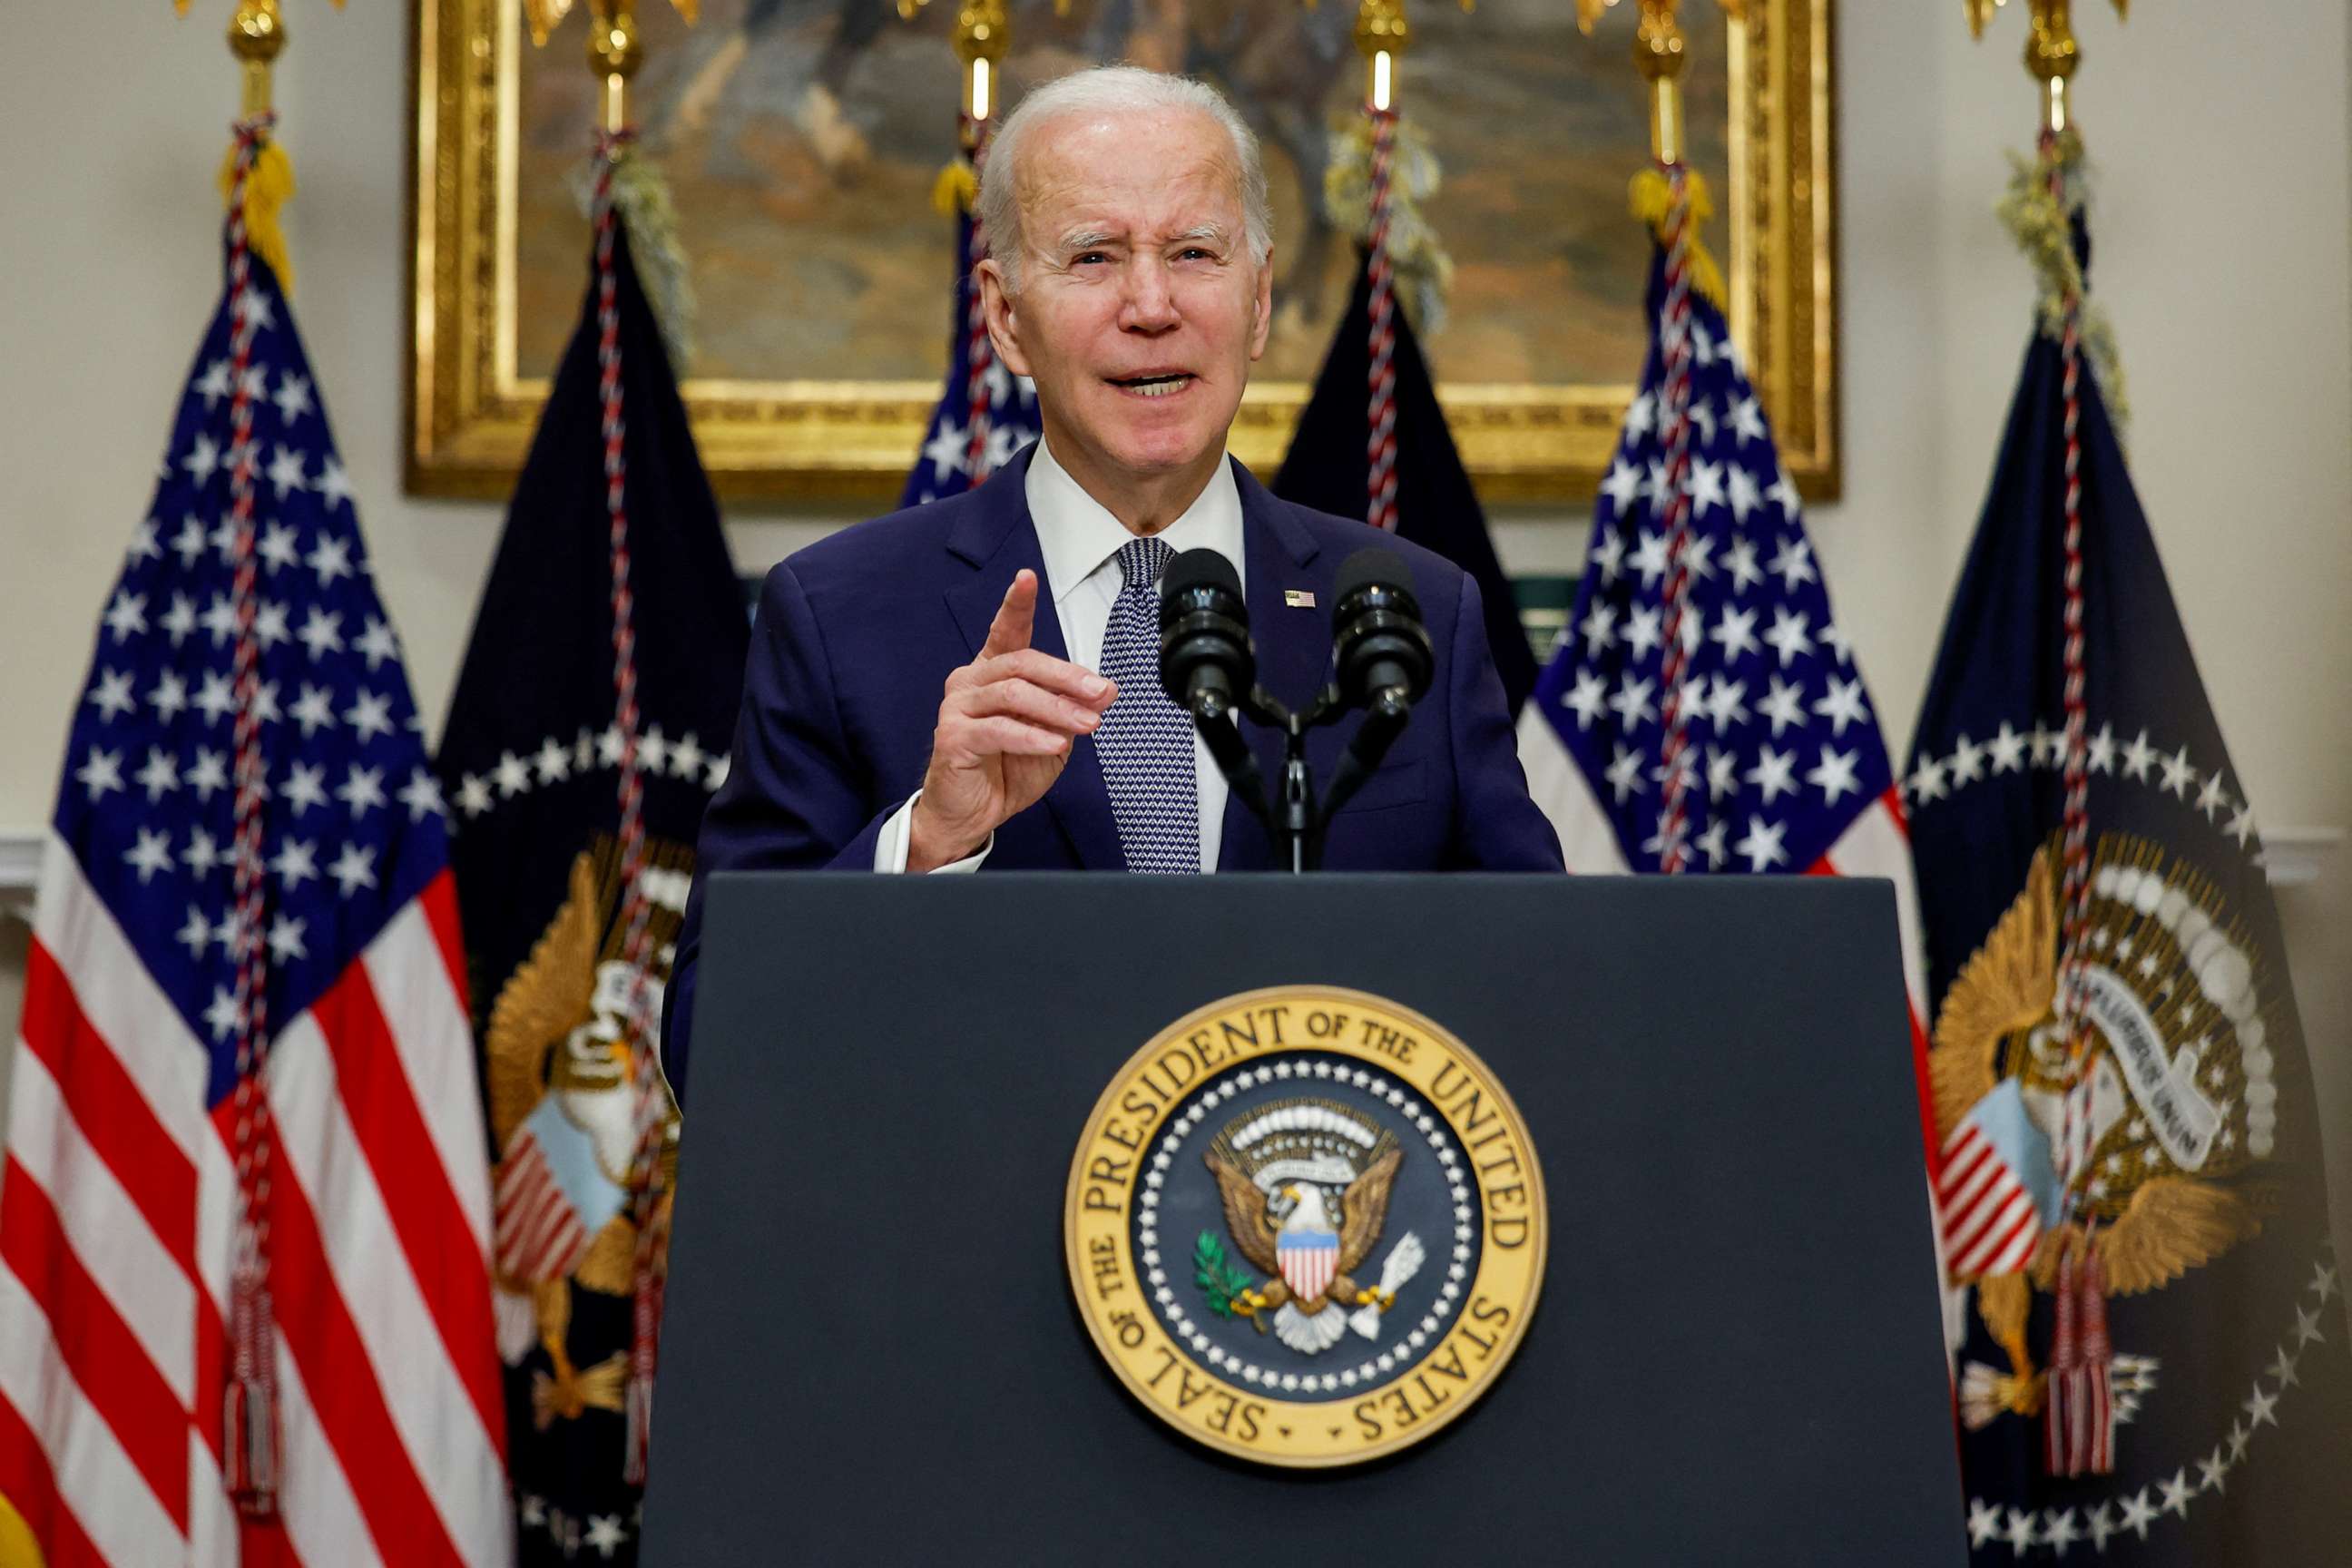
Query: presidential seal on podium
1306	1226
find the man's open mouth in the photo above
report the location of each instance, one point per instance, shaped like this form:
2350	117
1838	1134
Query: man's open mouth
1156	385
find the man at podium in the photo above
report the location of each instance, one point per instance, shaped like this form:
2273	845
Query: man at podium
1131	278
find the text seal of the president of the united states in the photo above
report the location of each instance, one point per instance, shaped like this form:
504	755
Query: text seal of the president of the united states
1306	1226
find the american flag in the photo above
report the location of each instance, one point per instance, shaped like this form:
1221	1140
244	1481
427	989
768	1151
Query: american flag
1007	403
1785	769
121	1197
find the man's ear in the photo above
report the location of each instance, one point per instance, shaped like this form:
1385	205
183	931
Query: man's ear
1264	307
997	309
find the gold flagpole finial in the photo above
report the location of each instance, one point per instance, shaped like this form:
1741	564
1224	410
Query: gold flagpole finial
984	34
257	34
1660	55
1383	36
615	51
2052	54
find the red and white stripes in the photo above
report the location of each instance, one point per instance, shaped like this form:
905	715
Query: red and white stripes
119	1212
1990	1222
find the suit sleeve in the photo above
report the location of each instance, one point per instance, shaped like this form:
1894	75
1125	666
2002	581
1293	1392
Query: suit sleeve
796	796
1497	827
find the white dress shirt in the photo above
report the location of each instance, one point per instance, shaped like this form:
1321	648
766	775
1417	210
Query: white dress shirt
1080	540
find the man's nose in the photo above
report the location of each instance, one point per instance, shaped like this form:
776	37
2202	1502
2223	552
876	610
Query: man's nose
1149	305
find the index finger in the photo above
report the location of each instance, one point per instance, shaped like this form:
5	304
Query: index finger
1016	618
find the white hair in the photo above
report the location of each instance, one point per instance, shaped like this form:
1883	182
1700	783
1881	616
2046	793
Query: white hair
1116	90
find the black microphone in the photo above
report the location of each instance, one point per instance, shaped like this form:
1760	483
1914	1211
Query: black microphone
1206	659
1383	663
1208	665
1380	652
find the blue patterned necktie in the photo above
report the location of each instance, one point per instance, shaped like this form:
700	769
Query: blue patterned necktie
1145	742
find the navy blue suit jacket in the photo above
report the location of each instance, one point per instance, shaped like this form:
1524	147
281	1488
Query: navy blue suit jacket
857	633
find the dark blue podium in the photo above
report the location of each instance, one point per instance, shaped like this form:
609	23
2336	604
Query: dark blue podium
871	1353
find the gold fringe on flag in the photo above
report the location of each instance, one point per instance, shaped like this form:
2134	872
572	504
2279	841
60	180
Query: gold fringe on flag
641	193
266	189
956	189
1652	197
1423	270
2043	228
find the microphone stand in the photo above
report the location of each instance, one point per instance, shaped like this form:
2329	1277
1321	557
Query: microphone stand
1297	827
1382	655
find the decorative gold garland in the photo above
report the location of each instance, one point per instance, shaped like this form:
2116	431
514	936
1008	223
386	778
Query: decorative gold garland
2043	229
641	194
1423	270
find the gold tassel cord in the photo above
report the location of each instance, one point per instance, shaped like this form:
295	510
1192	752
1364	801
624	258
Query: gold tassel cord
1652	199
268	187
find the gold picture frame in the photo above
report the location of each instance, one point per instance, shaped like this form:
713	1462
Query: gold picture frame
471	407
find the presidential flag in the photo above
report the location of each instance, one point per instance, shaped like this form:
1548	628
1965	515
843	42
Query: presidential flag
613	510
986	414
248	865
1329	469
1781	768
2154	1369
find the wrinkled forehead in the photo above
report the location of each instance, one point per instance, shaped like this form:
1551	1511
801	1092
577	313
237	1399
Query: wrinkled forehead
1153	172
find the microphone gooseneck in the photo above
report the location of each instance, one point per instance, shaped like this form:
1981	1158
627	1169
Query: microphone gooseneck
1382	662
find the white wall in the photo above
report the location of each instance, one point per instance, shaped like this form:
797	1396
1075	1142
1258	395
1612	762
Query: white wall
2224	224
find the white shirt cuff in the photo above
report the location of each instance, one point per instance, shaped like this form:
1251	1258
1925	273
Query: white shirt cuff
890	845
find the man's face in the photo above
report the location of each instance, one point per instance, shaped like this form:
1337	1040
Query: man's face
1140	307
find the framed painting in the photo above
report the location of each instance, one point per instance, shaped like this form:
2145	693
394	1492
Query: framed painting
802	139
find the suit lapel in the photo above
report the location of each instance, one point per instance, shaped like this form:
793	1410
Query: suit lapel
1293	641
996	537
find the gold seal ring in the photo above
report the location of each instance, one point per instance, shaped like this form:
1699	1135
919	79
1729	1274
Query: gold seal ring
1306	1226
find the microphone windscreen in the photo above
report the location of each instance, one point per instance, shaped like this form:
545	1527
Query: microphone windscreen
1198	569
1372	566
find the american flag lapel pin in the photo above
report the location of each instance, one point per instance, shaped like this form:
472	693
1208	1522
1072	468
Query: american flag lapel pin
1298	598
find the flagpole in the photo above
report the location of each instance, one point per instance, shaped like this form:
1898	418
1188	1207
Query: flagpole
615	54
984	34
257	34
252	1437
2052	52
2078	1353
255	182
1383	35
1660	53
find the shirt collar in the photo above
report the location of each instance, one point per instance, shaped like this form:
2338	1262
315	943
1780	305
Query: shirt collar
1076	533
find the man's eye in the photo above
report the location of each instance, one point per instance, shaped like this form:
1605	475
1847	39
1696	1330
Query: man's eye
1083	257
1197	253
